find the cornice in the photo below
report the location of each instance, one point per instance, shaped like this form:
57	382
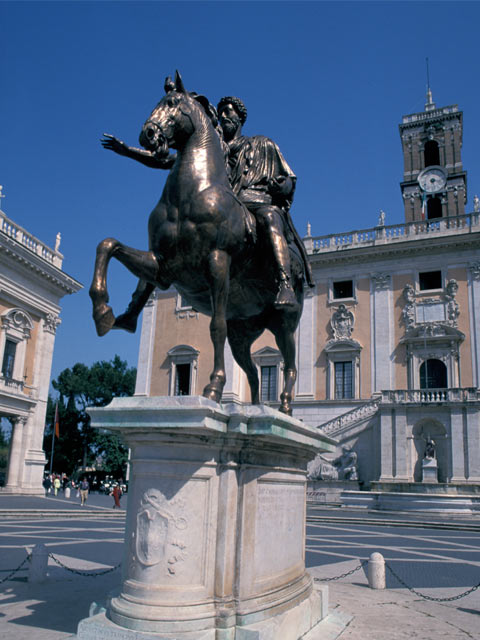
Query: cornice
54	276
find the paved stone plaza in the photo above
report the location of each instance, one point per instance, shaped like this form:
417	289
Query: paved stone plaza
435	561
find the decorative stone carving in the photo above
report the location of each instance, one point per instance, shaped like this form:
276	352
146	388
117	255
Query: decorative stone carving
344	467
342	323
476	204
408	312
380	281
17	320
475	270
51	322
452	305
156	523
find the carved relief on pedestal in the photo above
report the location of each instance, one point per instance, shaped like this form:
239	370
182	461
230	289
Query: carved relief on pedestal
158	522
342	322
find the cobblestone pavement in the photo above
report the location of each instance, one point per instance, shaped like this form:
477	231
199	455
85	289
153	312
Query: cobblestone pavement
436	562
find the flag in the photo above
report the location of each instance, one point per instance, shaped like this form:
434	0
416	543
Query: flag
57	422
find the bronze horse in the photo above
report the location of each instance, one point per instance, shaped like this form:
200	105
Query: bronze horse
201	241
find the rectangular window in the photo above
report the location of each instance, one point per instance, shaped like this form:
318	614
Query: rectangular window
182	379
343	380
9	358
343	289
268	386
430	280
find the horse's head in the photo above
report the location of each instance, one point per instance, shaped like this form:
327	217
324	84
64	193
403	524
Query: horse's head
173	120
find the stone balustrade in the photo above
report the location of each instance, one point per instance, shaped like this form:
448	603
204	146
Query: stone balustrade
27	240
393	233
359	413
10	384
467	394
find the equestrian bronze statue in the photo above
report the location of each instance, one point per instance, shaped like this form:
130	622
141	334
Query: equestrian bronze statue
205	242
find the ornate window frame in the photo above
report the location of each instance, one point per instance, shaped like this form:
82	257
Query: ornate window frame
343	350
183	354
17	326
269	357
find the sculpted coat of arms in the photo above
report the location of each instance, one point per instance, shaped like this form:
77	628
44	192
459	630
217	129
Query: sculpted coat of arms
157	522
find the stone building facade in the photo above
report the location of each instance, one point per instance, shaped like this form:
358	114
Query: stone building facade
31	285
388	344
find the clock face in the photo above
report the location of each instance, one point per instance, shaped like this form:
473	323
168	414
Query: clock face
432	179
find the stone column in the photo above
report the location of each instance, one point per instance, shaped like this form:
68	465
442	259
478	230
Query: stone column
457	445
145	352
307	348
401	445
386	446
474	286
15	461
382	323
473	441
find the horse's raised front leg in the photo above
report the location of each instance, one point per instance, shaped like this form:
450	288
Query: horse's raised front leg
142	264
219	273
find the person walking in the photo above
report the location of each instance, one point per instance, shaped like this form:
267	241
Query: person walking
84	487
56	485
47	485
117	494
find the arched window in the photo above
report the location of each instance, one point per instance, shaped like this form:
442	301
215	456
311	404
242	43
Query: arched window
432	153
183	370
16	328
433	375
434	208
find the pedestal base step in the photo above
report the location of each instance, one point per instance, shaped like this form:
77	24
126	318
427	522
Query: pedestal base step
307	621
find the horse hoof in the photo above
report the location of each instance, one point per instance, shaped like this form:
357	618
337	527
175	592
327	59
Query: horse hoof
286	410
104	320
212	394
126	322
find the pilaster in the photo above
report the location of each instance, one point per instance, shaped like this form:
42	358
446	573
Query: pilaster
147	343
306	351
382	322
457	445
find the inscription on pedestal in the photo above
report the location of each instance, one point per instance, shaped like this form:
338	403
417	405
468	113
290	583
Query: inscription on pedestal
279	527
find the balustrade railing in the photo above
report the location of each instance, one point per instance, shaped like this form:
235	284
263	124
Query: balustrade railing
467	394
359	413
11	384
393	233
14	231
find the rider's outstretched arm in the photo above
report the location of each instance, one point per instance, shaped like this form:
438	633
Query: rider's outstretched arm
140	155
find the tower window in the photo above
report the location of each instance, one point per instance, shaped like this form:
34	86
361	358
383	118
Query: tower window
182	379
432	153
433	374
343	289
434	208
343	380
430	280
9	358
268	391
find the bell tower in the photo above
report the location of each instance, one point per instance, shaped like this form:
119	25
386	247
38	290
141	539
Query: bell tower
434	183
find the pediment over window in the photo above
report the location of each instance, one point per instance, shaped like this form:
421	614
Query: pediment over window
343	344
182	351
17	321
432	333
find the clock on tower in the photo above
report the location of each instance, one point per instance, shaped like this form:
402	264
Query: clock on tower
434	183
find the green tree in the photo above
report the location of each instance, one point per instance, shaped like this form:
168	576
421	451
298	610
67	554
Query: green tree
78	388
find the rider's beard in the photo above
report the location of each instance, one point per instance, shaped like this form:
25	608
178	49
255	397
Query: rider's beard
229	127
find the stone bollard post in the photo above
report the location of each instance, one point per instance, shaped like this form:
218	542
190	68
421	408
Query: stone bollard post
376	571
38	564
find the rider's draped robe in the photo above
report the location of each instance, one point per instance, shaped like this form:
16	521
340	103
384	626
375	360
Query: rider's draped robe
252	163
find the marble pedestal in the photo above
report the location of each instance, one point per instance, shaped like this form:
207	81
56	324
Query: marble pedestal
215	533
429	470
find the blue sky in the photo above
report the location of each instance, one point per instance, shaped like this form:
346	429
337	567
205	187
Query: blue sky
328	81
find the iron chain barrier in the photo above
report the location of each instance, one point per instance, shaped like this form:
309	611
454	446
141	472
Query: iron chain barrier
343	575
79	572
14	571
432	598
